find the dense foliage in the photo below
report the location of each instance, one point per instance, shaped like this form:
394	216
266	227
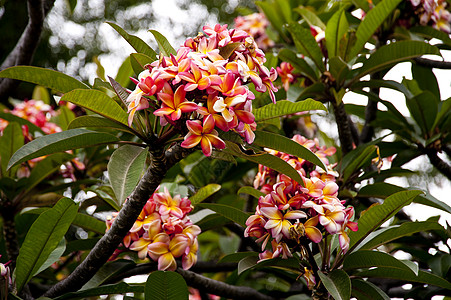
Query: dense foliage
210	175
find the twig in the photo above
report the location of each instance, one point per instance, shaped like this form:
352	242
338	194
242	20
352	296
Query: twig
433	63
437	162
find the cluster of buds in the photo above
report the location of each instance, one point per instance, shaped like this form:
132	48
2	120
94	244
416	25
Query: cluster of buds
202	87
255	24
164	232
290	215
435	12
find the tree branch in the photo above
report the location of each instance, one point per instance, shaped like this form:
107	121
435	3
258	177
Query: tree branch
220	288
344	127
437	162
23	52
433	63
102	251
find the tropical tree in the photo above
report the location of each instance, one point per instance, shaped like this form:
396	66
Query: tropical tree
209	174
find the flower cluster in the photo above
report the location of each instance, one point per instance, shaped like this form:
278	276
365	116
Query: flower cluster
5	277
433	11
255	24
203	87
285	72
164	232
291	215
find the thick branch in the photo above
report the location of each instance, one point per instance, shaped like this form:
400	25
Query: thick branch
23	52
102	251
433	63
220	288
370	114
344	127
437	162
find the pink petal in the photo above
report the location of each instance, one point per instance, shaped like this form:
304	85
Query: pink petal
191	141
206	146
194	126
313	234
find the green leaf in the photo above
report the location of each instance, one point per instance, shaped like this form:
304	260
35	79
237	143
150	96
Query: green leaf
286	145
138	44
426	80
89	223
305	43
376	215
339	69
311	18
430	32
229	212
373	19
266	159
163	44
355	159
42	238
60	141
284	107
65	117
11	140
337	284
274	15
204	192
124	73
383	190
391	54
423	111
375	83
57	81
41	93
97	102
125	168
236	257
163	285
108	271
54	256
250	191
97	122
444	110
108	289
139	61
367	259
246	263
228	49
405	276
365	290
336	29
300	64
12	118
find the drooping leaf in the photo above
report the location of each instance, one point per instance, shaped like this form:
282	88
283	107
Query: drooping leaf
391	54
229	212
163	44
426	80
11	140
250	191
120	91
282	108
108	289
367	259
42	238
163	285
305	43
423	109
204	192
125	168
365	290
383	190
139	61
300	64
373	19
266	159
89	223
60	141
286	145
337	284
55	80
444	111
375	83
97	122
337	26
97	102
311	18
138	44
376	215
356	159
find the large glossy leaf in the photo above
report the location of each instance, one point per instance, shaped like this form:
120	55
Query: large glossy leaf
109	289
273	14
163	285
125	168
337	26
204	192
42	238
108	271
386	235
423	109
12	118
163	44
97	102
406	276
430	32
300	64
286	145
139	61
383	190
376	83
97	122
89	223
236	257
391	54
355	159
311	18
427	81
229	212
64	117
367	259
376	215
305	43
373	19
60	141
54	256
365	290
337	284
11	140
139	45
284	107
265	159
57	81
124	73
250	191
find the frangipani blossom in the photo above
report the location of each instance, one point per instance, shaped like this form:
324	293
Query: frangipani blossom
175	104
205	135
278	222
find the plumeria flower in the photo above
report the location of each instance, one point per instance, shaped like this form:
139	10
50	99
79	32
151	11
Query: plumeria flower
174	104
204	134
278	222
224	106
